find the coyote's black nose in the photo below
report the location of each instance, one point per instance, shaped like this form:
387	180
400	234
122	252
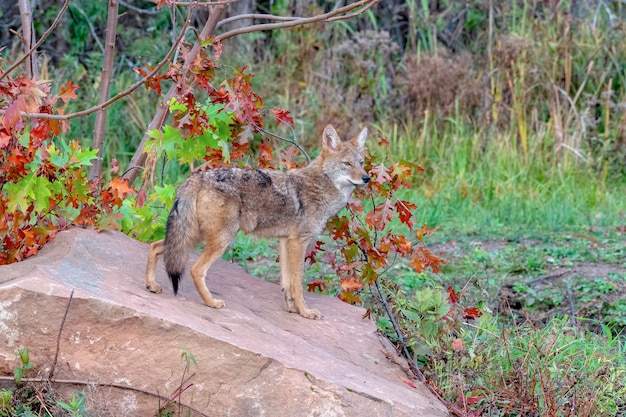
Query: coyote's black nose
365	178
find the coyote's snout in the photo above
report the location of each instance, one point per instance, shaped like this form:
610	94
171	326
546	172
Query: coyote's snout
294	206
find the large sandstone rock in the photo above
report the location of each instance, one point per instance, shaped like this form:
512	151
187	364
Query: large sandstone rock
253	358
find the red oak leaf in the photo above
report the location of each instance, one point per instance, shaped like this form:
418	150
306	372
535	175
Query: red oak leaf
454	296
471	313
349	297
349	284
12	118
318	284
403	208
312	252
380	174
5	139
380	216
287	157
282	116
382	141
339	227
267	155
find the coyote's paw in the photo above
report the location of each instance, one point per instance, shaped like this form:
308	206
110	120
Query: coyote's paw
154	287
215	303
290	304
299	308
309	313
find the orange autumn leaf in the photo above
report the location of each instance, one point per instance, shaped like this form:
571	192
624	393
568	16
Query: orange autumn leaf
122	187
351	285
349	297
68	92
458	345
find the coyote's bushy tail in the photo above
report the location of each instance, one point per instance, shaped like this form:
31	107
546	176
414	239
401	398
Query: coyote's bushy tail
181	235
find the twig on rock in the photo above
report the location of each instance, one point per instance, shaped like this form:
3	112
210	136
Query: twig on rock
56	354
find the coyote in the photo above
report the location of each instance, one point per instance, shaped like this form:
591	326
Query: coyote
294	206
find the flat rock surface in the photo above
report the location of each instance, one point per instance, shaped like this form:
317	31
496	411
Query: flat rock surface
253	358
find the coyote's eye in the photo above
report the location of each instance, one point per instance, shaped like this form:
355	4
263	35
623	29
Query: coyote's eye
347	163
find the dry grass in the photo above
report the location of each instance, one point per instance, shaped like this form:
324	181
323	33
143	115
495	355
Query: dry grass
442	84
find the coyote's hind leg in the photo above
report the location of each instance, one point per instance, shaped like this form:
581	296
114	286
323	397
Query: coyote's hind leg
156	250
213	250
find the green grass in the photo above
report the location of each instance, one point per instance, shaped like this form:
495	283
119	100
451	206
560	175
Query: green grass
526	354
476	183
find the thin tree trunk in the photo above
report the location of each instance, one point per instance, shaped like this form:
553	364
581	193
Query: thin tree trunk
99	129
28	34
139	158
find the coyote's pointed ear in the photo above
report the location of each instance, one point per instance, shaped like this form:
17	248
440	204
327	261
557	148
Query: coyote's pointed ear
330	139
359	141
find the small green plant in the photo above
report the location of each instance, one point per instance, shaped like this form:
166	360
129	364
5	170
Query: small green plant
32	400
616	313
6	397
427	310
537	299
167	409
592	289
481	362
19	370
76	406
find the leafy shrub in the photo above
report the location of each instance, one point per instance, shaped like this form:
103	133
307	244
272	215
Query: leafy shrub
43	182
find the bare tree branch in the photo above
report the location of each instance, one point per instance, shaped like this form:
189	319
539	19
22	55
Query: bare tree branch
139	158
338	14
293	141
41	40
355	13
256	16
124	93
28	38
195	3
99	128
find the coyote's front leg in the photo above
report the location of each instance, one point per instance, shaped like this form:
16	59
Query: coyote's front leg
291	251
